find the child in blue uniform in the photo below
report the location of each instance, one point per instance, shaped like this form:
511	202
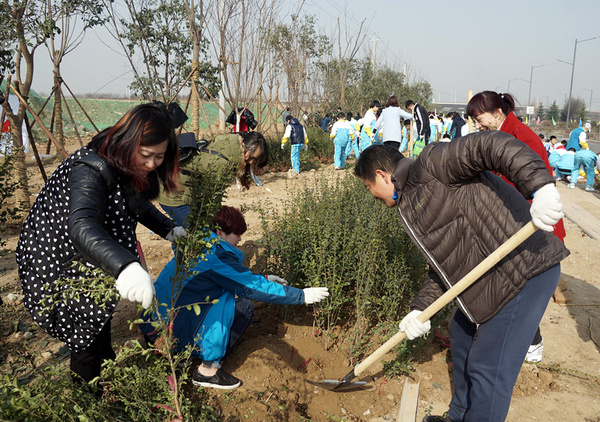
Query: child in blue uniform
366	125
342	133
296	134
220	275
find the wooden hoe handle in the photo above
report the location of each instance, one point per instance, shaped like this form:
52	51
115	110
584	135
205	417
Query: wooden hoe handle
450	294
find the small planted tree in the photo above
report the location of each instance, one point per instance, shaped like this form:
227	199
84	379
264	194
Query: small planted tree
66	18
335	235
297	48
23	28
553	112
157	32
146	383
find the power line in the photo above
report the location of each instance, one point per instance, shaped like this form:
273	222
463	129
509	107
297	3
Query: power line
355	22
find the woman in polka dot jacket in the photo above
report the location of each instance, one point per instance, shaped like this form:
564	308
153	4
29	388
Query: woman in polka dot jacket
87	212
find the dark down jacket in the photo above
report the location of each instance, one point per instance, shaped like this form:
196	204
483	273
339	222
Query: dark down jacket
458	212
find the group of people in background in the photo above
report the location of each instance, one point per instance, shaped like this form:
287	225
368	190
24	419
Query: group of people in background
389	125
410	129
407	129
572	158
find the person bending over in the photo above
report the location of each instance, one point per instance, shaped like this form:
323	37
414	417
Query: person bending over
457	214
220	275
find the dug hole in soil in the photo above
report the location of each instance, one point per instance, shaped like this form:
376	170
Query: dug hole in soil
281	359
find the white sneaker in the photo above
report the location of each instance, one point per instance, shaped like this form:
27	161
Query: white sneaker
535	352
571	185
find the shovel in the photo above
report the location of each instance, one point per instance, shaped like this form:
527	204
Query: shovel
432	309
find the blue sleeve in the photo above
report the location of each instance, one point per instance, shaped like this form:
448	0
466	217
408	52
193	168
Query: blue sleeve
553	158
233	276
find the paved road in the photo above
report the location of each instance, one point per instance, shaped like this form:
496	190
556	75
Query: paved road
594	145
582	208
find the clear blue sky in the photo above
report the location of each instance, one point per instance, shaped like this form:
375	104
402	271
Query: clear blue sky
456	45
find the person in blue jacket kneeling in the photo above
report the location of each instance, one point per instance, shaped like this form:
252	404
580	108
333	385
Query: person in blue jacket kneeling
221	276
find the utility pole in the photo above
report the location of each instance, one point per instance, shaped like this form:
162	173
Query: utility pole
572	74
531	83
591	93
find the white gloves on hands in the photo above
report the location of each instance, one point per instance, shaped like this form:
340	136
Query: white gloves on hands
305	147
413	327
315	294
282	146
546	209
176	233
135	284
277	279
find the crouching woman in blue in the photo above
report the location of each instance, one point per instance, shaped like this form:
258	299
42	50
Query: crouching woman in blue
221	276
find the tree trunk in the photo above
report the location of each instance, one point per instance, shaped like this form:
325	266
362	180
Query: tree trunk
195	103
58	120
22	194
342	91
259	108
276	107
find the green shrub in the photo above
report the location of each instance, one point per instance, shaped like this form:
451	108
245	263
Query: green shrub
140	391
335	234
146	384
320	145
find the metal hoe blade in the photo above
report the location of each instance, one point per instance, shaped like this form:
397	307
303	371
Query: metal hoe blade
345	384
336	385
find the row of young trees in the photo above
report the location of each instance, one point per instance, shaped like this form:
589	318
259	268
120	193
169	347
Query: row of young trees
248	49
578	108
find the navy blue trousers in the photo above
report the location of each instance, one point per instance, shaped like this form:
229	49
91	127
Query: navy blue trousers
178	214
486	359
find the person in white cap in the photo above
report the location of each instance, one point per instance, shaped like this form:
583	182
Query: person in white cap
578	137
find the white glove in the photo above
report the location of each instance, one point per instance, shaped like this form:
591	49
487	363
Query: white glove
134	283
315	294
413	327
282	146
305	147
277	279
176	233
546	209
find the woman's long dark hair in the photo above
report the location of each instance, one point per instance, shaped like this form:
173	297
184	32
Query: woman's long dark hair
490	101
252	141
143	125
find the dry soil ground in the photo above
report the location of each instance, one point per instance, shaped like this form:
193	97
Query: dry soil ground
279	359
